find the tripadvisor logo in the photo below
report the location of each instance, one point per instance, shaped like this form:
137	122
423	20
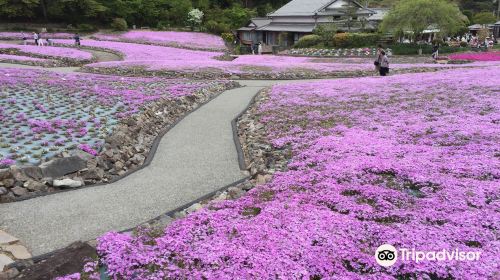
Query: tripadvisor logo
387	255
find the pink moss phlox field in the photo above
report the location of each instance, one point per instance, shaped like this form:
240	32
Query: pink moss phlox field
410	160
168	38
55	52
29	35
482	56
173	59
5	57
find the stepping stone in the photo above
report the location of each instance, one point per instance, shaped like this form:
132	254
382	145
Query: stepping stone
18	251
4	260
6	238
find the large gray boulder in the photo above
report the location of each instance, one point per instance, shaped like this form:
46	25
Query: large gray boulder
62	166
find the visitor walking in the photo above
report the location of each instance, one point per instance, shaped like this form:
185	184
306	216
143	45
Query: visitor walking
384	64
378	59
77	39
25	39
259	48
435	51
35	37
40	39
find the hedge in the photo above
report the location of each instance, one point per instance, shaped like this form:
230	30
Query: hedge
412	49
308	41
355	40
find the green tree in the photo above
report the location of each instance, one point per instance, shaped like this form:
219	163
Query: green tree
18	9
418	15
75	11
484	18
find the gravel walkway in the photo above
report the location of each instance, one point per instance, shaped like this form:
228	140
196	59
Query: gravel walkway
195	158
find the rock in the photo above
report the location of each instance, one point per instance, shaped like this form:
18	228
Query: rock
34	172
19	191
4	261
62	166
109	153
92	163
3	190
179	215
69	183
6	239
247	186
138	159
8	183
10	273
163	222
260	180
18	251
81	154
235	193
9	197
5	174
34	185
94	174
139	148
221	197
62	262
119	165
194	208
18	174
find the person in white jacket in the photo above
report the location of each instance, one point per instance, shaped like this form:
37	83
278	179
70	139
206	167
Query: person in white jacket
259	48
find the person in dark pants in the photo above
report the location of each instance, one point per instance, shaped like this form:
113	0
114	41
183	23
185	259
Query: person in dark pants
77	39
35	37
384	64
378	59
435	51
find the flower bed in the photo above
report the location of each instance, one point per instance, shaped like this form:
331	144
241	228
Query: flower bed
44	114
353	52
481	56
393	160
17	59
29	35
68	55
188	40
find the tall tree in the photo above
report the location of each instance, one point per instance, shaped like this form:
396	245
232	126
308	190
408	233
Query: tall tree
18	8
484	18
418	15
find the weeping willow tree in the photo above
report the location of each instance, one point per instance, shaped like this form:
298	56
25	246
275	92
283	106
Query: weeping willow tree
416	16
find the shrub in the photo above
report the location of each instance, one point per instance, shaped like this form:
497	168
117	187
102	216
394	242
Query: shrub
355	40
308	41
119	24
412	49
326	32
341	40
85	27
217	27
463	44
227	37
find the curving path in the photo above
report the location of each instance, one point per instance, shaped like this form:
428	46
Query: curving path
195	158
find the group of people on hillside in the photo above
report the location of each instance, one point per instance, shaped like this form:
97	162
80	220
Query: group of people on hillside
39	41
382	61
474	41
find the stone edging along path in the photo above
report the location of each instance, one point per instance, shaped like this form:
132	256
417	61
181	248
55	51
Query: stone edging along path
152	125
194	159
